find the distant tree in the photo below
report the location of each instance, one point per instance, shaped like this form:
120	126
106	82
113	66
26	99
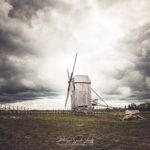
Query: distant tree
125	107
129	107
133	106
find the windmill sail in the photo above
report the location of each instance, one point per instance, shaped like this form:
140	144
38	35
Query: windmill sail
70	80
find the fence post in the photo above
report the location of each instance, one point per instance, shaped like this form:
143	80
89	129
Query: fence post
9	109
17	110
13	110
24	110
0	108
21	110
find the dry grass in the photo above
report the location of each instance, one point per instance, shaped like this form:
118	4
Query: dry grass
40	132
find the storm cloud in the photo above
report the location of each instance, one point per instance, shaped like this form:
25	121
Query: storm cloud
38	40
18	81
138	49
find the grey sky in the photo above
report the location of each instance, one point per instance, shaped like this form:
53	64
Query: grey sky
38	41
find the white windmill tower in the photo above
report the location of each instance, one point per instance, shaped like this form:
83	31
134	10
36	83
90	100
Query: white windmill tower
80	88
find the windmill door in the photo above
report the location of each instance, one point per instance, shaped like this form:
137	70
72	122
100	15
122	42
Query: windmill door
82	98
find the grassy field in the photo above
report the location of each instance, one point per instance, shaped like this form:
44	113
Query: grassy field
41	132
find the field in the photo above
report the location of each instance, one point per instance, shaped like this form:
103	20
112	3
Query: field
45	131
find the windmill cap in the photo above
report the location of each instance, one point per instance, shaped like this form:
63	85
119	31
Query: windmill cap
82	79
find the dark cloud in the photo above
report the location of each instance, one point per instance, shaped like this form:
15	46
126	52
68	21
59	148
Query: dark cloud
27	95
26	9
136	47
19	81
13	43
30	28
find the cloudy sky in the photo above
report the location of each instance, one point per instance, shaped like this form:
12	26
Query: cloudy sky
39	39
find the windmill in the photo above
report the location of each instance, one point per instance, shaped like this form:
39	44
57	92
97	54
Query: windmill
80	88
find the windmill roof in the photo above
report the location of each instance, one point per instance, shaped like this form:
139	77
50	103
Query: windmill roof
82	79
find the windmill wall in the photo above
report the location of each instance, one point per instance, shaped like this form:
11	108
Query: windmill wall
81	93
